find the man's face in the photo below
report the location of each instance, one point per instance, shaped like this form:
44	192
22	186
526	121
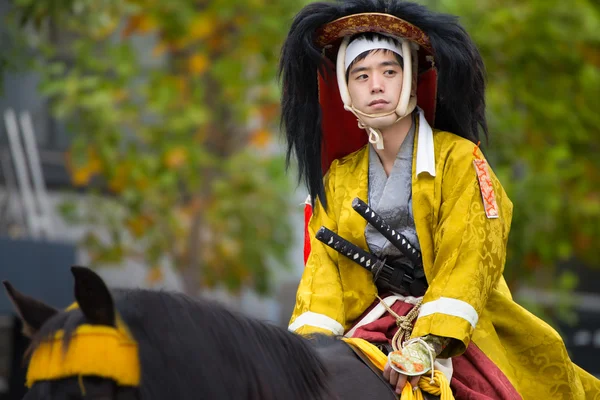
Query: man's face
375	84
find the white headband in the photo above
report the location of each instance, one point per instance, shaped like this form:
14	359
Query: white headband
362	44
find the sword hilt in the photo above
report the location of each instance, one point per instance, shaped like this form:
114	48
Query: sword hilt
383	274
396	238
350	250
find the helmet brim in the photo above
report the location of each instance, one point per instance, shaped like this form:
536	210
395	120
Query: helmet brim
341	134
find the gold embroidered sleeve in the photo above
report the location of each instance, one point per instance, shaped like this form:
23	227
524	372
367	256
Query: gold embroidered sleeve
319	300
469	254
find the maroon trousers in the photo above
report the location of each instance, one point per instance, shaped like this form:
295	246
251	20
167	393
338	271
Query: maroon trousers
474	376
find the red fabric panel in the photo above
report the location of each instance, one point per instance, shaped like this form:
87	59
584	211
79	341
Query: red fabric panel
341	134
307	215
427	94
384	329
476	377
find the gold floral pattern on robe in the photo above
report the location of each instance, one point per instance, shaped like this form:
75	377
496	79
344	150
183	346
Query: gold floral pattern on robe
463	254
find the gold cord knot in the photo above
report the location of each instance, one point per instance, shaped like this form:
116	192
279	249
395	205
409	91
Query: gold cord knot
404	323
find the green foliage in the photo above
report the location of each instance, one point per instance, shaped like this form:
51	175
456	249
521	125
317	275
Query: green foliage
172	106
166	128
14	56
543	66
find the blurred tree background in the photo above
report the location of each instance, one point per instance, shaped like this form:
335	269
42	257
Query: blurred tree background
178	142
185	147
543	70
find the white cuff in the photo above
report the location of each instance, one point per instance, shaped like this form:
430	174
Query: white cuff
449	306
318	321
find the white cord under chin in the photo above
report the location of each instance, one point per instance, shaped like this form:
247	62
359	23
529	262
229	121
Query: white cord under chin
375	138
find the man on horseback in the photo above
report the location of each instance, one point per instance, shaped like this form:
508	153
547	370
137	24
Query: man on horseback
414	82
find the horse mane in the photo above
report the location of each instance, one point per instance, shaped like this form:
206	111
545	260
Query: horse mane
197	348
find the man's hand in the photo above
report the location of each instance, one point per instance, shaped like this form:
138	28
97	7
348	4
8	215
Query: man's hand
397	379
409	363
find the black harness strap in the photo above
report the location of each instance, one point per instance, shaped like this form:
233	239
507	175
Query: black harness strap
369	364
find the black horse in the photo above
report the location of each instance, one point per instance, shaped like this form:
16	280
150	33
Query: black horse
192	349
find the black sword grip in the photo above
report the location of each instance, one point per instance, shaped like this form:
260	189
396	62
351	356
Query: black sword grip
350	250
384	276
396	238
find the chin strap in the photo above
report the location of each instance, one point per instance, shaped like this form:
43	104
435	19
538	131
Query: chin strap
375	136
406	103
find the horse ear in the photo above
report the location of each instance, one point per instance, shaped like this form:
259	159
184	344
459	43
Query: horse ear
93	297
33	313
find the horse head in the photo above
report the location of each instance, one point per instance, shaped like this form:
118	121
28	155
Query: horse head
133	344
83	352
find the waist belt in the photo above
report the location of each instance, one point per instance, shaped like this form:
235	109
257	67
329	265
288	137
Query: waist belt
406	276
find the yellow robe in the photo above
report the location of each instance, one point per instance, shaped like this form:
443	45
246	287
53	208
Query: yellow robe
464	254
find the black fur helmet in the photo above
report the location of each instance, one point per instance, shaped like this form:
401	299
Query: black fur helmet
449	78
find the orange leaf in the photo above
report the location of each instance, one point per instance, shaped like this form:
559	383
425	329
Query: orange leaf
197	64
81	176
118	182
229	248
240	20
251	44
532	261
200	135
154	276
138	225
269	111
120	94
179	83
193	206
142	183
94	163
216	42
148	24
202	26
583	241
590	54
159	49
176	157
261	138
177	43
140	23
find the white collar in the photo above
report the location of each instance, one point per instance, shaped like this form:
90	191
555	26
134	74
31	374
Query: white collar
425	152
